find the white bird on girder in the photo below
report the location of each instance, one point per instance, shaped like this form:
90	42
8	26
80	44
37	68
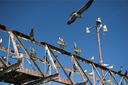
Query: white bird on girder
77	50
18	57
1	41
90	74
104	65
91	59
100	62
61	43
79	12
85	70
110	67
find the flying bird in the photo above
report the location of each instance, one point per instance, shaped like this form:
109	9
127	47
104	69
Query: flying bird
77	50
1	41
120	69
33	52
18	57
91	59
32	34
61	43
125	74
110	67
79	12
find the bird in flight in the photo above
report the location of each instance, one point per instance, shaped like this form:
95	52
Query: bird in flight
79	12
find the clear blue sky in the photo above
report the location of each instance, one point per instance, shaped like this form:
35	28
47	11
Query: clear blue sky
50	18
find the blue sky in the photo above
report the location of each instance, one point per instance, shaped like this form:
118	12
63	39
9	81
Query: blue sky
50	18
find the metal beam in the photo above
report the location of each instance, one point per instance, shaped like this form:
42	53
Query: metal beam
81	69
44	79
60	65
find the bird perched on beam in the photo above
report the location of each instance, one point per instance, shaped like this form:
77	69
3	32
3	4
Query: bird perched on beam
33	52
18	57
120	69
79	12
18	46
1	41
111	67
91	59
32	34
77	50
61	43
125	74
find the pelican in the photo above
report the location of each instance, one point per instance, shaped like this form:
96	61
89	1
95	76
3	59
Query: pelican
105	65
91	59
32	53
79	12
77	50
110	67
61	43
120	69
100	62
1	41
32	34
18	57
125	74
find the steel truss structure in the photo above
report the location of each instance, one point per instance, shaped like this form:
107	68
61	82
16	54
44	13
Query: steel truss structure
17	74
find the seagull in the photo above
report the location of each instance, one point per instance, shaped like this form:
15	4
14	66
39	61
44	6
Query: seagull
79	12
32	53
125	74
85	71
100	62
90	73
61	43
1	41
18	57
4	58
32	34
18	46
110	67
74	67
120	69
91	59
77	50
105	65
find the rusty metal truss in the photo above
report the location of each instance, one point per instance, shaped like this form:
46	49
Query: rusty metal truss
17	74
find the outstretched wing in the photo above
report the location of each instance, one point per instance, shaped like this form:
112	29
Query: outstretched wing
85	7
71	20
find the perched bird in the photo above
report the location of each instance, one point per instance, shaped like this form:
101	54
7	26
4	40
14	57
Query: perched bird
1	41
120	69
125	74
18	46
100	62
79	12
74	67
85	71
32	53
77	50
4	58
32	34
91	59
61	43
105	65
18	57
110	67
90	73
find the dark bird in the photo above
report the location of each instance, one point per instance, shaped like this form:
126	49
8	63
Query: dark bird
77	50
32	34
79	12
32	53
61	43
125	74
120	69
74	67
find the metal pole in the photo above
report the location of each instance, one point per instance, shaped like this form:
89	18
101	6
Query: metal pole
98	37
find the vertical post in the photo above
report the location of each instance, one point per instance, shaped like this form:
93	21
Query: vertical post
98	37
72	78
8	49
94	80
110	78
45	62
22	62
125	82
50	74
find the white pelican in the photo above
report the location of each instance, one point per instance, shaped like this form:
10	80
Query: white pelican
91	59
18	57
